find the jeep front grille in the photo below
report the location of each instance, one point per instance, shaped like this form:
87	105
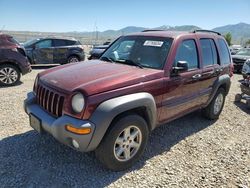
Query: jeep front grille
49	100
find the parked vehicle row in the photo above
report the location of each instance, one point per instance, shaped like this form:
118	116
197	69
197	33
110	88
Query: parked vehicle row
54	50
240	58
141	81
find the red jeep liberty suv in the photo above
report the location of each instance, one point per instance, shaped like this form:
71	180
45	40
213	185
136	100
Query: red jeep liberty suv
141	81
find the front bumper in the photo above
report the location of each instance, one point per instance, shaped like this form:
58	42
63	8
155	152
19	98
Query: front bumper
56	126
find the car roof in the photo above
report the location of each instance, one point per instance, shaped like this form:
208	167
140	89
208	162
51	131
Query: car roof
60	38
175	34
2	35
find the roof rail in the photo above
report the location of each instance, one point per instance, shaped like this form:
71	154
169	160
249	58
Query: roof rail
149	30
203	30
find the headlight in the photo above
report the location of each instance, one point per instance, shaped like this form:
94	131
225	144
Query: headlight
78	102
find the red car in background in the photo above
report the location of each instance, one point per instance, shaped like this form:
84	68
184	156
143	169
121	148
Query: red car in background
13	61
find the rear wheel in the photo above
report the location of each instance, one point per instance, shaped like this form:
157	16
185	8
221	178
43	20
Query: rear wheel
248	103
237	97
213	110
124	143
9	75
73	59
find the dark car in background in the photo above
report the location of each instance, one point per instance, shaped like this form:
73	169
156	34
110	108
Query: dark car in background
13	61
97	51
240	58
54	50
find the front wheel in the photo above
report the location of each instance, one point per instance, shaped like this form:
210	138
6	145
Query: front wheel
9	75
213	110
124	143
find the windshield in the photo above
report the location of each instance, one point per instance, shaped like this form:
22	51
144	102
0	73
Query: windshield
142	51
244	52
30	42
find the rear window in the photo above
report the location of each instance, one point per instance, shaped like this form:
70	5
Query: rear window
224	52
209	53
12	40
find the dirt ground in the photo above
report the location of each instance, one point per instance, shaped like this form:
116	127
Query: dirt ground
188	152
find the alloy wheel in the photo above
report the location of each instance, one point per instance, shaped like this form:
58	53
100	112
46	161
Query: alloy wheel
127	143
8	75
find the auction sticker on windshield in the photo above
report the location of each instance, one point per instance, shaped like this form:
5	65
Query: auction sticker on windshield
153	43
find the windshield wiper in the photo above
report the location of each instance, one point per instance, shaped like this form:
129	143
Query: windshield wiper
105	58
128	61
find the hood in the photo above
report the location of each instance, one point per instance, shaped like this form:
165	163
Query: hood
92	77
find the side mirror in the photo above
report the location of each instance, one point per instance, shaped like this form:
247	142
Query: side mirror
181	67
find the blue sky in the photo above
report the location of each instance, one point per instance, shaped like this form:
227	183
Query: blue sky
83	15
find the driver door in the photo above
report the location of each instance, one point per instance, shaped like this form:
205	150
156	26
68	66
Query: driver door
43	52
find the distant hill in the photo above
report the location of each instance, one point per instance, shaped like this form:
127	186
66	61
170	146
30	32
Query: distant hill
240	32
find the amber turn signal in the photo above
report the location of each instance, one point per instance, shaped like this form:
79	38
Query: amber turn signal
83	130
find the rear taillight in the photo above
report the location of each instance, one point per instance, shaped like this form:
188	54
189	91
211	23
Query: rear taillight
21	51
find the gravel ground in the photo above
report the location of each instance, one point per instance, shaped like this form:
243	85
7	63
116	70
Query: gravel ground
188	152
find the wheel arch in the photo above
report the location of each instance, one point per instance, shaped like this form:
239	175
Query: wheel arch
108	112
13	63
222	82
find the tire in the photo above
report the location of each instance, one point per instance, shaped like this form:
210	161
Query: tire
9	75
248	103
237	97
73	59
113	152
213	110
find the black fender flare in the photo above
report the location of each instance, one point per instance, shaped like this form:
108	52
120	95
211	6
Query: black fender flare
108	110
224	81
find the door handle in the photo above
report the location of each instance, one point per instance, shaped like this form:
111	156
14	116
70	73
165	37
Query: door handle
196	76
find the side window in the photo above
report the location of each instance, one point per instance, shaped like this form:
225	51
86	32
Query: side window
224	55
187	51
215	52
209	53
44	44
71	42
58	43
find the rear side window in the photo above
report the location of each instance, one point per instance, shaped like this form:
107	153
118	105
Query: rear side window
209	53
187	51
58	43
224	52
71	42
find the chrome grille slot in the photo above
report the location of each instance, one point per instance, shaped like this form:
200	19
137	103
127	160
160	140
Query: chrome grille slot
49	100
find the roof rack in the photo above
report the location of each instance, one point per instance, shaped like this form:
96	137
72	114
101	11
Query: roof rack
149	30
203	30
